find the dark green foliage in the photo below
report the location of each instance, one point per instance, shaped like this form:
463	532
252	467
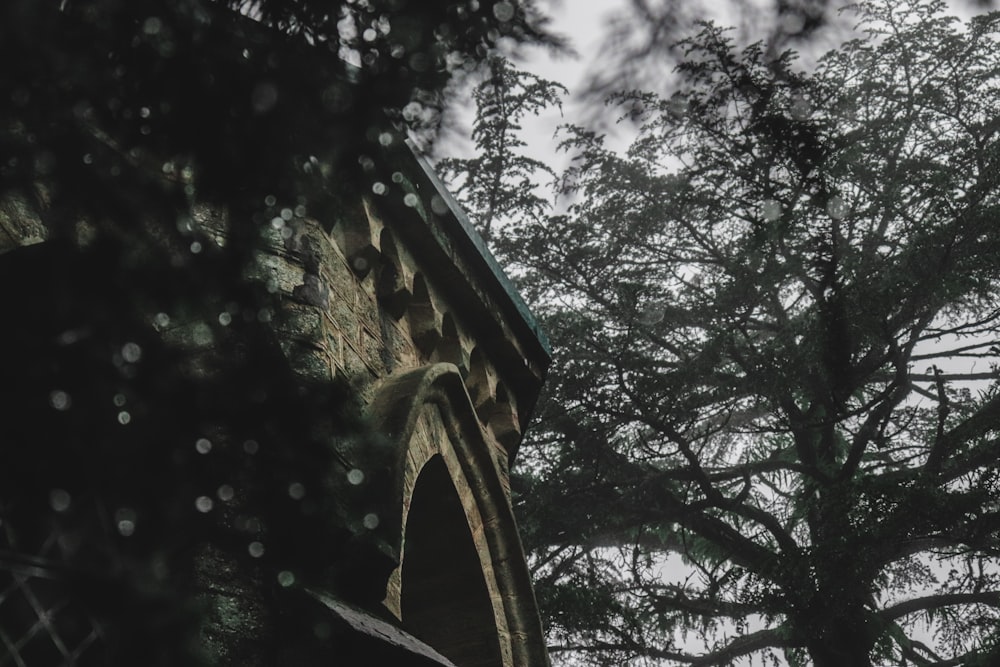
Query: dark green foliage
142	379
123	456
128	107
500	182
773	415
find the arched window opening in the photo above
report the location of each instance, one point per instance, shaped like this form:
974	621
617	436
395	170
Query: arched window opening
445	601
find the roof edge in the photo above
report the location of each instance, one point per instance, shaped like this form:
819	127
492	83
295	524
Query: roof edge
469	232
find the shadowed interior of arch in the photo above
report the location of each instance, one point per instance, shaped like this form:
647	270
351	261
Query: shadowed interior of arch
445	601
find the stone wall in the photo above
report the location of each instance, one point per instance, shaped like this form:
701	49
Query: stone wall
391	300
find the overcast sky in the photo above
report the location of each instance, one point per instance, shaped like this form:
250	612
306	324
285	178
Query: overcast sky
585	24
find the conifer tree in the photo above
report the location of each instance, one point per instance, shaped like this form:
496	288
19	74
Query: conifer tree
771	429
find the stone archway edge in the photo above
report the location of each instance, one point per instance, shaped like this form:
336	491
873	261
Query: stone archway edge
368	625
396	410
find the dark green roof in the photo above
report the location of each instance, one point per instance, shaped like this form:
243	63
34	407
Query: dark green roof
465	228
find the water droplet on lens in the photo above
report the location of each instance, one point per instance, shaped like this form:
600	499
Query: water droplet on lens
225	493
411	111
203	504
251	447
771	210
59	500
124	418
256	549
264	97
801	107
131	352
355	477
370	521
411	200
125	521
202	334
203	445
504	11
439	205
836	208
60	400
152	25
286	578
651	313
296	491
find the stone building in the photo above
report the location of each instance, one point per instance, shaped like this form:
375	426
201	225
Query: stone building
399	299
407	302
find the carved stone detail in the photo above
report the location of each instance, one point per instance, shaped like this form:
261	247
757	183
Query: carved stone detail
439	443
425	318
395	279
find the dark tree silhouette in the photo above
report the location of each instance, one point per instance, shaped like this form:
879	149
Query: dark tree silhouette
148	409
771	425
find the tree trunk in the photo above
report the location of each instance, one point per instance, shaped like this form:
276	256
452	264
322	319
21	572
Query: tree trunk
843	642
840	656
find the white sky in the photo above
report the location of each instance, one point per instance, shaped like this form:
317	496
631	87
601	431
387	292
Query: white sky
584	24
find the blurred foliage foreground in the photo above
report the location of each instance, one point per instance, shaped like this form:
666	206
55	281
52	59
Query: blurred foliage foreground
153	440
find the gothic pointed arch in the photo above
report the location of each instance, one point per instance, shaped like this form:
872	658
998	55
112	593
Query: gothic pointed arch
456	526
